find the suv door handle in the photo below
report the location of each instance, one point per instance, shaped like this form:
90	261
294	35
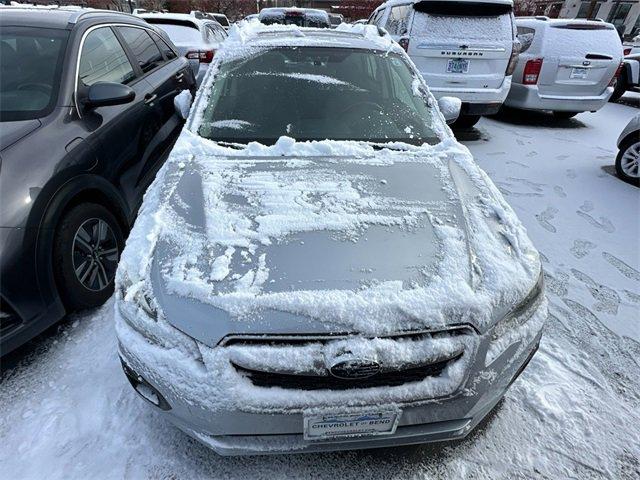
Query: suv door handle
148	98
180	76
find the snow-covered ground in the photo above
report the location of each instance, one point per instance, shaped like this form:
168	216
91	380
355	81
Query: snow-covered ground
67	411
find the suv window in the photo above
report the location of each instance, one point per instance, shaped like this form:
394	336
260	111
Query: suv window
103	59
167	51
143	47
525	35
214	34
397	21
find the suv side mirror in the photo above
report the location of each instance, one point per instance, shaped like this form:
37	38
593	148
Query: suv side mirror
450	108
103	94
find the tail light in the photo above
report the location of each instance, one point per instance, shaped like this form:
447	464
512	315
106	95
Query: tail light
532	71
513	60
203	56
626	51
404	43
613	81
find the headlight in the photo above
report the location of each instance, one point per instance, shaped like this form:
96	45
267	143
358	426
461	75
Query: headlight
523	311
137	294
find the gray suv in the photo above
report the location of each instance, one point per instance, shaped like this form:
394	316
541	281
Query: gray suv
281	292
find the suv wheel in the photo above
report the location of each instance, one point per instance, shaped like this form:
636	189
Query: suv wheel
86	250
465	121
628	161
564	115
620	88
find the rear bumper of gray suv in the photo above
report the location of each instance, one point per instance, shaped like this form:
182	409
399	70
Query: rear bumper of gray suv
528	97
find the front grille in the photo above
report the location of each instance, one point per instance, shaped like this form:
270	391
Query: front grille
315	382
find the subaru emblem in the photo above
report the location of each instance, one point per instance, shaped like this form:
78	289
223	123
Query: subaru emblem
354	369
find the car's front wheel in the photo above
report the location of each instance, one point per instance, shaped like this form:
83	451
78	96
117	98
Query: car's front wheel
86	250
628	161
564	115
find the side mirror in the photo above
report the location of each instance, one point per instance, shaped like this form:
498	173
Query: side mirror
450	108
182	103
103	94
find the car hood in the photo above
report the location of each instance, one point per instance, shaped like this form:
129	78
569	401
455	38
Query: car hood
330	240
14	131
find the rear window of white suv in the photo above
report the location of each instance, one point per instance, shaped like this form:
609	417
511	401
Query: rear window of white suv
462	21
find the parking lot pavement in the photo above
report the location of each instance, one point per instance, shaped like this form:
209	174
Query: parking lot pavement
68	412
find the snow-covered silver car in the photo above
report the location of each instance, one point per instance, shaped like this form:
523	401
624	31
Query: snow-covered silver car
281	292
565	66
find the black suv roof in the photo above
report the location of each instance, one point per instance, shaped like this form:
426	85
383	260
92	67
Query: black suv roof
61	17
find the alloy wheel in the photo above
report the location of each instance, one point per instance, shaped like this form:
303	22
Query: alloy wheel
630	160
95	254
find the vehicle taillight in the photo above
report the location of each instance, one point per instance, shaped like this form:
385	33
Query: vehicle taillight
513	60
203	56
613	81
532	71
404	43
626	51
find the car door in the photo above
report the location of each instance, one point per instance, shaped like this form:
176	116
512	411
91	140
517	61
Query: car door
113	132
159	121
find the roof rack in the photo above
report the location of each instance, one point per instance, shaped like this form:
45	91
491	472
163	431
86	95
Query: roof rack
91	11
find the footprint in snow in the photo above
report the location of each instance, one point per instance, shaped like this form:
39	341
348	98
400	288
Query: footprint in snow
608	299
633	297
587	206
604	223
581	248
559	191
519	142
532	185
513	162
544	218
558	284
571	173
562	157
543	257
532	153
493	154
580	310
622	267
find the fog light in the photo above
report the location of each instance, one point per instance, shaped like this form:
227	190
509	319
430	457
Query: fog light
144	388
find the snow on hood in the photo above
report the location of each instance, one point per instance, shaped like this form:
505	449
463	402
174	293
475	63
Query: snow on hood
209	247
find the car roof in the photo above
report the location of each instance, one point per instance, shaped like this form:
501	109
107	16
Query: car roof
255	34
58	17
391	3
546	21
182	17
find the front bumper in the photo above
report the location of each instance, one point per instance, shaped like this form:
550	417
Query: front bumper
528	97
237	428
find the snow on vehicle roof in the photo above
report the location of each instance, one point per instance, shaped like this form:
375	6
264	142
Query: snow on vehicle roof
182	17
555	22
252	33
392	3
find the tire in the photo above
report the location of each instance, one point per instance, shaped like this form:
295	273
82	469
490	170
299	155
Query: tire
629	149
465	121
620	88
89	240
564	115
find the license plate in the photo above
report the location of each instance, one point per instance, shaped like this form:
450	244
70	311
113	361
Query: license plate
458	65
329	426
580	73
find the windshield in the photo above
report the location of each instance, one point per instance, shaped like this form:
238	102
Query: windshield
184	32
30	65
315	93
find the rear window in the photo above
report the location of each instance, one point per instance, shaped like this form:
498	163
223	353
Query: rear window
576	42
467	9
462	26
179	32
222	20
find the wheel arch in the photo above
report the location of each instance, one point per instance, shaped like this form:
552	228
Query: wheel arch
81	189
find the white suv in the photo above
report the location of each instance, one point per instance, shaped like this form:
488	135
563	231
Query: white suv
466	49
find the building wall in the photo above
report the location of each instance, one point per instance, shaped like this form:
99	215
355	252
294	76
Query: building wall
571	8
